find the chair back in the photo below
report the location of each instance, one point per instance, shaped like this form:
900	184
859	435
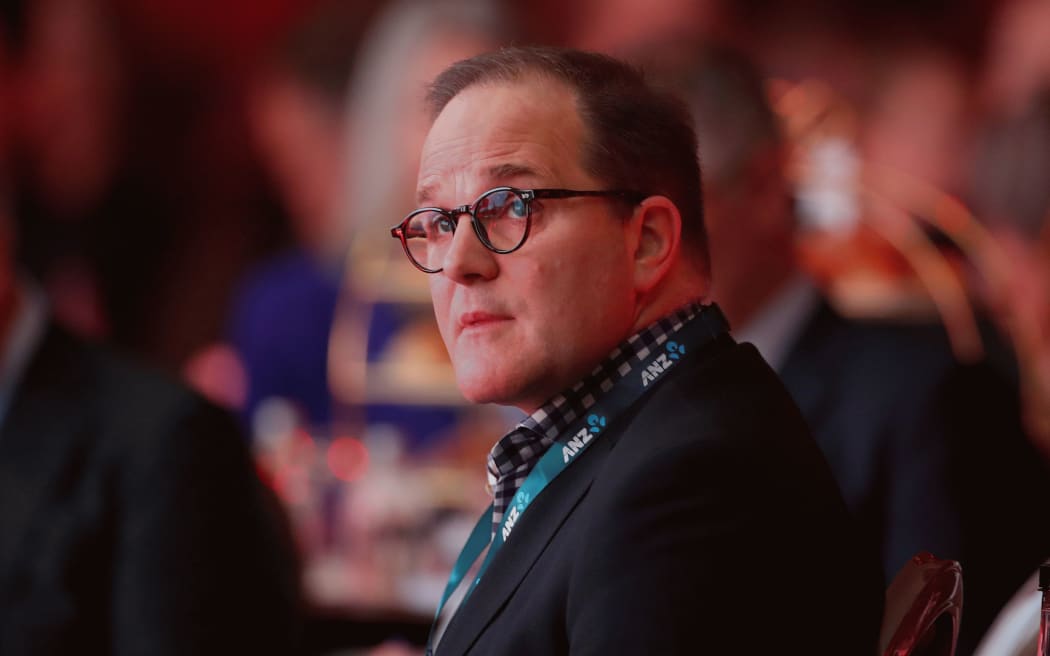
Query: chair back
923	609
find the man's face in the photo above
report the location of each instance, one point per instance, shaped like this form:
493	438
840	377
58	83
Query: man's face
524	326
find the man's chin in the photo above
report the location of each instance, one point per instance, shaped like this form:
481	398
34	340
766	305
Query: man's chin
500	393
477	392
486	387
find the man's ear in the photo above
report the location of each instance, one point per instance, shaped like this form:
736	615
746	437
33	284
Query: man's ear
656	228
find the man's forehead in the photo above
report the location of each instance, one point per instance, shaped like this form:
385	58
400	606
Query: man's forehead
501	131
502	173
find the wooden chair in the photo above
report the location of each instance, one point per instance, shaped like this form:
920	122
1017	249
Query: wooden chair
923	609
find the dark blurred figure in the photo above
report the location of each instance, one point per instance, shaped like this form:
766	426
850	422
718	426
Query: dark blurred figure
140	199
1011	196
929	453
131	518
90	225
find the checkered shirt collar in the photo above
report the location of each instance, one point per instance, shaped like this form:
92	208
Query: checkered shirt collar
515	454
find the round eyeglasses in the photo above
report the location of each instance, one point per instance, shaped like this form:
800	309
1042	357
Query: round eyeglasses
501	219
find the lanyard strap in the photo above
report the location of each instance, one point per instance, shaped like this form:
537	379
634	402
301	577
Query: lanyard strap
705	327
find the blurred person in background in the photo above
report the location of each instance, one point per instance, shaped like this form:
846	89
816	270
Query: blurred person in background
281	312
84	215
1012	198
929	452
1011	195
131	518
211	214
557	301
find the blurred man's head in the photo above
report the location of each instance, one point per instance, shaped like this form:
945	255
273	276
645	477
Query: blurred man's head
521	326
747	202
72	78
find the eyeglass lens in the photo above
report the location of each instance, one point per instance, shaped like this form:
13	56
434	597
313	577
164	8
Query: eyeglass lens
501	218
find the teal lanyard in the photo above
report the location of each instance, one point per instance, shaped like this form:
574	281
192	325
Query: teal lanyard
706	326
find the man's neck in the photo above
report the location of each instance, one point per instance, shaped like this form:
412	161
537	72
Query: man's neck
686	287
619	355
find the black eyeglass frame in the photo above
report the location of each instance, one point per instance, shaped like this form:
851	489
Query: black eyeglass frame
527	195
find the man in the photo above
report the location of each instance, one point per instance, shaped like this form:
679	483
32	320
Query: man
929	453
131	519
663	496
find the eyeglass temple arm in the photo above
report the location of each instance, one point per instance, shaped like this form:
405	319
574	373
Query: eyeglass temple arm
570	193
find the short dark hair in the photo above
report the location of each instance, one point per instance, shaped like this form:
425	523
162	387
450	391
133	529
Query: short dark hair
638	137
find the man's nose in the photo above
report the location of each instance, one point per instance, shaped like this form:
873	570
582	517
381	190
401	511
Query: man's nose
467	259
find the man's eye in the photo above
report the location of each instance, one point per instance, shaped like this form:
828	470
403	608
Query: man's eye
502	205
441	225
517	208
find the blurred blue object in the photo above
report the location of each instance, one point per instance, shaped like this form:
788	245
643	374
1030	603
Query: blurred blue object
279	325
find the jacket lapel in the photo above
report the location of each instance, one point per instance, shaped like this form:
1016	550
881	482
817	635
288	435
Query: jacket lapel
37	439
534	531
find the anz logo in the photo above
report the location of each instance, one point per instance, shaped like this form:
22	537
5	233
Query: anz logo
521	502
663	362
512	519
595	424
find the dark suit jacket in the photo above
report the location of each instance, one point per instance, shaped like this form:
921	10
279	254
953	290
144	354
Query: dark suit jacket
131	519
929	453
704	521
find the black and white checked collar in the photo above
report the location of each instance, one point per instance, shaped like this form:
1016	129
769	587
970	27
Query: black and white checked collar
515	454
